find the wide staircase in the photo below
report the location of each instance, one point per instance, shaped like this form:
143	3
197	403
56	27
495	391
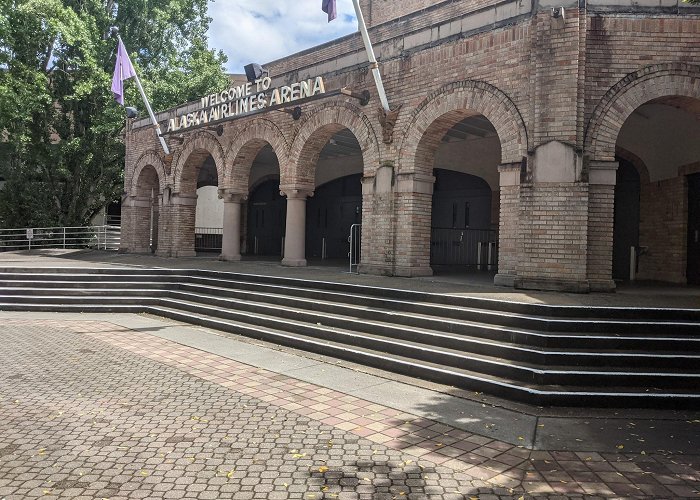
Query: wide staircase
539	354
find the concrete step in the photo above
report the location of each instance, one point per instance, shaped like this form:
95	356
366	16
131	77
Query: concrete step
524	353
340	330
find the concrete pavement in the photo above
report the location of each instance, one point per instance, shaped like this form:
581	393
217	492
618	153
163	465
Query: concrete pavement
133	406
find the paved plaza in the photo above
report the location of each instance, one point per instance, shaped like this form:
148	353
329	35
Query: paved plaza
131	406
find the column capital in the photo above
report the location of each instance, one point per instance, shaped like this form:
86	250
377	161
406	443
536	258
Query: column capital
603	172
296	193
232	196
510	173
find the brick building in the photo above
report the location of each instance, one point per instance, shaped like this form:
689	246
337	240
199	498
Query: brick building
566	132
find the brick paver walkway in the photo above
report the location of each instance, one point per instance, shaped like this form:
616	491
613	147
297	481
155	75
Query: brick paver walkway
89	409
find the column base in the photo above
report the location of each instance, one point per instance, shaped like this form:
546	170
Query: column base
602	285
375	269
163	253
504	280
552	284
294	263
185	253
413	271
230	258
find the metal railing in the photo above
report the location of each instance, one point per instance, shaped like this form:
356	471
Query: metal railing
477	248
208	239
355	240
98	237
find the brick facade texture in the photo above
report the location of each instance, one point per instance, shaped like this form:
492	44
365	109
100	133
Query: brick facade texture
536	78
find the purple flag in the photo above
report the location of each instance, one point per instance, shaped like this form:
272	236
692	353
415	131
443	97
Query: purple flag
329	8
123	70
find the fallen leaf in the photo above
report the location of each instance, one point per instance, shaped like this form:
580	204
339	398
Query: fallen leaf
322	469
620	446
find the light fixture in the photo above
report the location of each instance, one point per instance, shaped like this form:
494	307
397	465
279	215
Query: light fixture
254	71
131	112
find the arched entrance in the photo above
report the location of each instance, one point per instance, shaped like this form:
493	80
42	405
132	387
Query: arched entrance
466	153
337	201
661	144
324	190
146	211
481	128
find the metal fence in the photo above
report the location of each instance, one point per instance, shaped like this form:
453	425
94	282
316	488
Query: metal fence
475	248
208	239
98	237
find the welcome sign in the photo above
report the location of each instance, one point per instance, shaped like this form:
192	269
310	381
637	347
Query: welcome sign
245	98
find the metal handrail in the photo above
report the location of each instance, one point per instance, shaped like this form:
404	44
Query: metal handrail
105	237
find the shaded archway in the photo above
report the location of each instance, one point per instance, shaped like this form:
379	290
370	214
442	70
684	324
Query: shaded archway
661	141
141	208
335	141
199	164
440	116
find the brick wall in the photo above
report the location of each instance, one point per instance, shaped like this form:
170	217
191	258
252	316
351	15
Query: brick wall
553	233
663	229
536	79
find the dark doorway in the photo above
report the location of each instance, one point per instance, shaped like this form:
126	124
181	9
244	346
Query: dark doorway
461	220
335	207
693	272
267	216
626	222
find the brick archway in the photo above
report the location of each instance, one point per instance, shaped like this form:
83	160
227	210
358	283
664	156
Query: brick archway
450	104
319	125
193	153
148	159
636	89
244	149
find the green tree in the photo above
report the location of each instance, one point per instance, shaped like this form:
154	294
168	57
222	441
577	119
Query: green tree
61	132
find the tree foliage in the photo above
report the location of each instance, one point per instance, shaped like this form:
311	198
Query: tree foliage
61	132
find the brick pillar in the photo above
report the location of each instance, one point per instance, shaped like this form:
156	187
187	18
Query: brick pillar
414	200
127	226
176	237
165	226
231	240
601	217
154	225
136	225
508	223
553	234
377	253
295	235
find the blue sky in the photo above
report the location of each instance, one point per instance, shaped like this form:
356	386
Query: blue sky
264	30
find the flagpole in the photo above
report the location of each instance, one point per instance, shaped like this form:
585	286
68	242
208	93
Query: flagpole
370	54
115	31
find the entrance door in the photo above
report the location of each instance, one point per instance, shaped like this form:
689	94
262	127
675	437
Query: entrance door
626	228
693	272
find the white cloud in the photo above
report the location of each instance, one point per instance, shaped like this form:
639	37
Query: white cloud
264	30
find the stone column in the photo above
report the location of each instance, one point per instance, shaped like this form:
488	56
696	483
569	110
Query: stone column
231	240
295	236
508	223
602	177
